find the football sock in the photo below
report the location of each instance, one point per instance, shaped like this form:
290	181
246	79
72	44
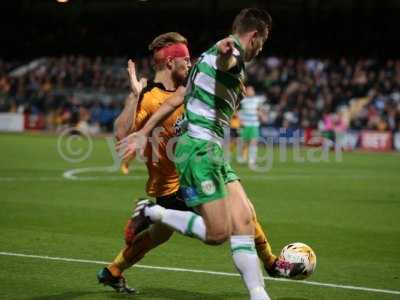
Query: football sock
244	153
131	254
253	153
246	261
154	212
232	146
263	248
125	167
241	151
184	222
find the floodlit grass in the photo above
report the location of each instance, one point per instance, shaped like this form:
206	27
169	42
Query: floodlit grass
347	211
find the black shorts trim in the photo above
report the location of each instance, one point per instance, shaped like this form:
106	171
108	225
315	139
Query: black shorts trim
173	201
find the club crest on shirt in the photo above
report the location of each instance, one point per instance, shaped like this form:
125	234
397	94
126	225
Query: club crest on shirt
208	187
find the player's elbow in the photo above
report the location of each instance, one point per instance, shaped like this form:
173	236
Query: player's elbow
119	135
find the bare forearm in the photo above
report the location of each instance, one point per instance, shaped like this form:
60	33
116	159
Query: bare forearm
125	122
165	110
160	115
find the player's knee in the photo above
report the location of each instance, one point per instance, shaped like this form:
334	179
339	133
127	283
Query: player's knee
217	237
245	218
243	224
248	219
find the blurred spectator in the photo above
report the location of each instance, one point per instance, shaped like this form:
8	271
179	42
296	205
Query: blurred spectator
300	93
304	93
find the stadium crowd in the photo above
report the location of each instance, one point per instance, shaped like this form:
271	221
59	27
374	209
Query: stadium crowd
300	93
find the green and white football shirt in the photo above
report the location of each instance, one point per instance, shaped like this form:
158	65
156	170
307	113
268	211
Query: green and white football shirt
212	95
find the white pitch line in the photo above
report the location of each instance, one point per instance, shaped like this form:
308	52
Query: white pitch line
71	174
331	285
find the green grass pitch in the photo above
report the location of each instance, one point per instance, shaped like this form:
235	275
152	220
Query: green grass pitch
348	211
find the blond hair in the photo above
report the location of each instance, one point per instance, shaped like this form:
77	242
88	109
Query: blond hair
167	39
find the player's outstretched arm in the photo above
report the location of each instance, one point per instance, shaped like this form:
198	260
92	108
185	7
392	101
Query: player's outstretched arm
225	59
125	122
137	141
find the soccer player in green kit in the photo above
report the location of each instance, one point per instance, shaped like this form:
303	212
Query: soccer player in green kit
209	184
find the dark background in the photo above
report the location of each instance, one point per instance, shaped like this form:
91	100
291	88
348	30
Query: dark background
354	28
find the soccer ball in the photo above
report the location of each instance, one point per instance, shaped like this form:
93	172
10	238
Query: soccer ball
300	253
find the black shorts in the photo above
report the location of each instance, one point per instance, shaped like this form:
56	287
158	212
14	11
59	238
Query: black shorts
234	133
173	201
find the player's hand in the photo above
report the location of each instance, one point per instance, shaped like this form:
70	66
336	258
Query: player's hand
225	59
134	143
226	46
136	85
